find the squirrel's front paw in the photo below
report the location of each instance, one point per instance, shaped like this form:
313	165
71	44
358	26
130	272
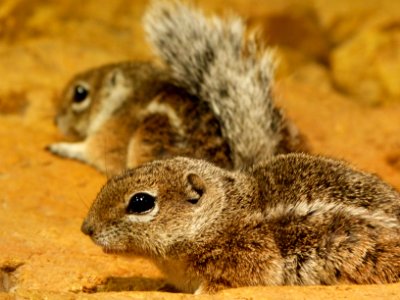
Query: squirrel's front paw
70	150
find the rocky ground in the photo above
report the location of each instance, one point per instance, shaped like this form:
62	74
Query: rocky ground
338	79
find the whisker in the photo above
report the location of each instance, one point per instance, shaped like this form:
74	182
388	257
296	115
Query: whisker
106	159
79	196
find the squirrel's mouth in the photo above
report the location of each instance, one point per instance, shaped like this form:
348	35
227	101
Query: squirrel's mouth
119	252
112	251
106	246
111	248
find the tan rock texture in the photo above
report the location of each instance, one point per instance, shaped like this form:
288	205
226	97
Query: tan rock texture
367	64
43	198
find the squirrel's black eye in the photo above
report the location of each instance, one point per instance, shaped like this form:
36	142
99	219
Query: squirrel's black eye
140	203
80	93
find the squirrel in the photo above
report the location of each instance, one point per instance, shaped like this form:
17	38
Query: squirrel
294	219
129	113
210	99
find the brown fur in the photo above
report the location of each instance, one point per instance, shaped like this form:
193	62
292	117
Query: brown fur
212	99
135	133
293	220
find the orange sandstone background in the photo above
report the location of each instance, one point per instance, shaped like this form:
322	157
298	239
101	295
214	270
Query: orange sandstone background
339	80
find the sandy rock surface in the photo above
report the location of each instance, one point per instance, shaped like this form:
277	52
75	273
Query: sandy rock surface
325	84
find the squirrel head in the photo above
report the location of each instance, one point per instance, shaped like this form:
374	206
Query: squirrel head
157	207
91	97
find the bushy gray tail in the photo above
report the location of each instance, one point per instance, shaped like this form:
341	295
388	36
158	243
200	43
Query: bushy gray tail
212	60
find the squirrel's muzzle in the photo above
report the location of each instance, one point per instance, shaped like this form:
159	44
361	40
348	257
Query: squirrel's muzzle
87	228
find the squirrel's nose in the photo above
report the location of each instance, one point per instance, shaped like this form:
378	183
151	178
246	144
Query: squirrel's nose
86	228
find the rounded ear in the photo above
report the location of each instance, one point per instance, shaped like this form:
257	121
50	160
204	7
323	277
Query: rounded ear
196	187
